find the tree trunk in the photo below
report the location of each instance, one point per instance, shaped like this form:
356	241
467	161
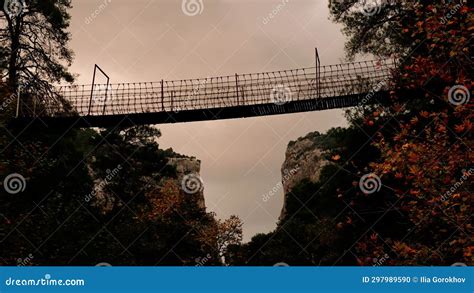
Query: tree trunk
12	67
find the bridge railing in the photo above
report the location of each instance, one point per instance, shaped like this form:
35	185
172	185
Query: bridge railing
218	92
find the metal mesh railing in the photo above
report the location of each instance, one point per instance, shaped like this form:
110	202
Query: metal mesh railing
220	92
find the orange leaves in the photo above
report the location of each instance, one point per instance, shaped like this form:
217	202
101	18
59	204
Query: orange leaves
348	221
403	249
441	128
469	252
336	158
465	126
374	237
165	202
398	175
415	192
405	146
464	10
459	128
424	114
398	108
422	158
362	246
413	157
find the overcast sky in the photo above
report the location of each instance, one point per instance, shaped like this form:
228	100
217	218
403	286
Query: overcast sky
150	40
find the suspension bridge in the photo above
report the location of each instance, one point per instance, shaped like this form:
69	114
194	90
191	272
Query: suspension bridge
212	98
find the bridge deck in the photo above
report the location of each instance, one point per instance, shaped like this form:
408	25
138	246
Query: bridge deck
211	98
125	120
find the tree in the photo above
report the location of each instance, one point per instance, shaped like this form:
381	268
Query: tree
377	26
229	233
34	42
420	212
429	157
95	197
424	138
372	26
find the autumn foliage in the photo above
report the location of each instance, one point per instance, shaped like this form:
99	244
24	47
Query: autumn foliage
427	160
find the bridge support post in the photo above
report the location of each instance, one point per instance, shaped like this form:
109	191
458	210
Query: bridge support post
237	87
162	96
317	82
92	89
106	92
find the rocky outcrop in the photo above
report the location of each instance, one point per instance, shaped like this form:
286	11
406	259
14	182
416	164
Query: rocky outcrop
304	160
189	178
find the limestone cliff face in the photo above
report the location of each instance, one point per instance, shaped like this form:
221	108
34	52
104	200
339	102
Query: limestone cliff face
304	160
189	178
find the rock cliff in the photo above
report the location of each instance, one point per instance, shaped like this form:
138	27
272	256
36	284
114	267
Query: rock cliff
304	159
189	178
